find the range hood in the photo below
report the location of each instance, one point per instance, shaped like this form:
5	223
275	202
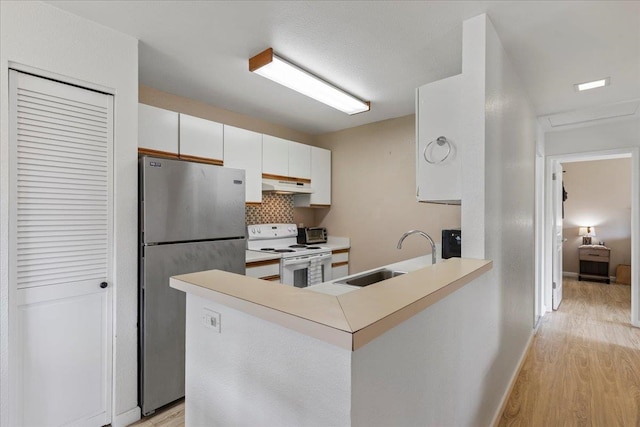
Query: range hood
285	187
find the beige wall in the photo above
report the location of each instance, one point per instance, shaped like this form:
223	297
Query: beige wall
599	194
373	194
150	96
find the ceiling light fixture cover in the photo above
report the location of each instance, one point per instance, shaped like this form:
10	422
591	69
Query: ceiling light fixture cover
271	66
592	85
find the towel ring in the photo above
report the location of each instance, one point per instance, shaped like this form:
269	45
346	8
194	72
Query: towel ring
440	141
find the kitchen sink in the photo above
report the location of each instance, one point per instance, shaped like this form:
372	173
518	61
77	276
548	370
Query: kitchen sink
371	277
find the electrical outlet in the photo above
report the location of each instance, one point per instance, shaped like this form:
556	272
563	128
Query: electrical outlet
211	319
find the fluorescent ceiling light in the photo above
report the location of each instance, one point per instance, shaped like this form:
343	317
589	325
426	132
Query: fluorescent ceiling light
592	85
271	66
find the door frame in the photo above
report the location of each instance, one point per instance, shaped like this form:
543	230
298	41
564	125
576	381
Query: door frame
634	154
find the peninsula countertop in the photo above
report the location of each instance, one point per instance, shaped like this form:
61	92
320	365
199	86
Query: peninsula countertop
349	320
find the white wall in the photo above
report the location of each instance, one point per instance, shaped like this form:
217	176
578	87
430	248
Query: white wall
257	373
54	43
498	201
607	136
435	369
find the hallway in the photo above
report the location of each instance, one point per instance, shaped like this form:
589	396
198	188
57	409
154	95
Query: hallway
583	367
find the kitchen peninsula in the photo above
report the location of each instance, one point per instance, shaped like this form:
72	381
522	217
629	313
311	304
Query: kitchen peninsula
259	354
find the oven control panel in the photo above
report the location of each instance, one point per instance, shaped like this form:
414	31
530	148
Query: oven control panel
271	231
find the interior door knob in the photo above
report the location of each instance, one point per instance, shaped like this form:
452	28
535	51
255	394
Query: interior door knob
104	285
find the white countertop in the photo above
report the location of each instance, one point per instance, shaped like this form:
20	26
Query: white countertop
336	243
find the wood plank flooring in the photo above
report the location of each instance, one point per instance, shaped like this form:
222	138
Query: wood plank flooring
583	367
171	416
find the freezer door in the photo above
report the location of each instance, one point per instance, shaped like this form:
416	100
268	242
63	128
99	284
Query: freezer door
162	312
184	201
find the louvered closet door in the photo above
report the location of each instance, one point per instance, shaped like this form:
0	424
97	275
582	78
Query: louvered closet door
60	262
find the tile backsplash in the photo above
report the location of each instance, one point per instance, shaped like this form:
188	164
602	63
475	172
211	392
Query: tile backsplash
275	208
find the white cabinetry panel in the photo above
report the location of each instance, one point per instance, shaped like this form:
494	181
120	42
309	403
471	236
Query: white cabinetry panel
439	114
157	129
320	181
275	156
299	160
200	138
243	150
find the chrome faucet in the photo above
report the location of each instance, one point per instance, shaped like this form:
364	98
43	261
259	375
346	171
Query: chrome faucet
426	236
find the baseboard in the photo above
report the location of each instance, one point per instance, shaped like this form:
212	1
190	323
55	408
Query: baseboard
127	418
512	383
569	274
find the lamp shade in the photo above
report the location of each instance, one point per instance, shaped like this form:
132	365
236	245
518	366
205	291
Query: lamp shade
587	231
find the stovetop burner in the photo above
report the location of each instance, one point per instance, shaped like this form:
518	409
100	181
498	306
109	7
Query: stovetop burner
267	249
313	247
298	246
283	250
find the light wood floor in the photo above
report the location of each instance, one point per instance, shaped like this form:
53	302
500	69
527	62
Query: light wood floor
583	367
171	416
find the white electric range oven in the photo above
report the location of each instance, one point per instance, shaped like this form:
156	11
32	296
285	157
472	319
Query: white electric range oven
300	265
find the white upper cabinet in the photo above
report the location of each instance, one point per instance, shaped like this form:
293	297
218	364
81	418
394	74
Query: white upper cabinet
285	158
157	129
299	160
320	180
275	156
243	150
201	139
438	165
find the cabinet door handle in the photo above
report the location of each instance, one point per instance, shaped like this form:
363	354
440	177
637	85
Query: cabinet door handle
104	285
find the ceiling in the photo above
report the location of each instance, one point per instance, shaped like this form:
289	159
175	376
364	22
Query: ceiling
378	50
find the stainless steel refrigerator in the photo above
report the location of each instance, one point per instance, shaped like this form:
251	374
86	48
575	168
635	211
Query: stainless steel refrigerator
192	218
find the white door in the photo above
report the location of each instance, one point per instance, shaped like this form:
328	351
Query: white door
556	262
61	140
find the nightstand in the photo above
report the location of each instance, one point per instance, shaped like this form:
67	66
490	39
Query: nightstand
594	262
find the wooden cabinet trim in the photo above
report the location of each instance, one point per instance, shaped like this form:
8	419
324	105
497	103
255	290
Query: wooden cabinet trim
286	178
253	204
271	278
251	264
339	264
319	206
201	160
340	251
157	153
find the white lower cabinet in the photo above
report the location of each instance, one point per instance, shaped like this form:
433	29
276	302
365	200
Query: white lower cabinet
339	263
243	150
267	270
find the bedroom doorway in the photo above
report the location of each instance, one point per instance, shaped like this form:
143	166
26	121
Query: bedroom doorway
553	244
